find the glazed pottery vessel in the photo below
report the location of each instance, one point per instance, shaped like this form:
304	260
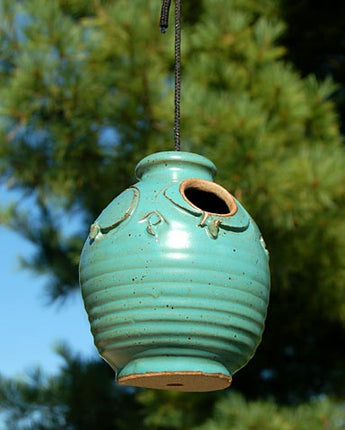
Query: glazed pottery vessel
175	278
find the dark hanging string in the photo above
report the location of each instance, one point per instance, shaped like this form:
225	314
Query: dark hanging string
164	23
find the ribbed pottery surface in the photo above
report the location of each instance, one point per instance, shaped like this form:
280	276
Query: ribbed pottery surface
159	283
194	306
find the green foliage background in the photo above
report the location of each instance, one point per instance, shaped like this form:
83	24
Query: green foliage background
86	90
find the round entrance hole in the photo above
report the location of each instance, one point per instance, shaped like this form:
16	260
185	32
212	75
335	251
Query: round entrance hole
208	197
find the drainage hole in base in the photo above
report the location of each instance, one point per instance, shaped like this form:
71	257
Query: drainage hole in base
174	385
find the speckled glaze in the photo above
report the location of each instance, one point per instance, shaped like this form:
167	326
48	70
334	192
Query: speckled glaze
176	293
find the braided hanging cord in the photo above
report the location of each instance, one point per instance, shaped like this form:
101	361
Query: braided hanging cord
164	23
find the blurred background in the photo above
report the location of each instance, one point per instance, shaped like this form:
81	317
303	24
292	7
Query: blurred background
86	91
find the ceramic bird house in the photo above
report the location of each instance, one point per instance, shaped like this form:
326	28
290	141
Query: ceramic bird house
175	278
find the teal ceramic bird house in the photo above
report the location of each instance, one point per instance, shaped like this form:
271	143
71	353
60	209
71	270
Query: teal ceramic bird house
175	278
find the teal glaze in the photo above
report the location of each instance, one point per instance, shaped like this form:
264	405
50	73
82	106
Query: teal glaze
176	292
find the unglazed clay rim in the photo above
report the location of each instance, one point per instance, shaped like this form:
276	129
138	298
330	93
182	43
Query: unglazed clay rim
211	187
223	381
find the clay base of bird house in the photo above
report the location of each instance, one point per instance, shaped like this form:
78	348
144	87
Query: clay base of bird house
178	381
178	373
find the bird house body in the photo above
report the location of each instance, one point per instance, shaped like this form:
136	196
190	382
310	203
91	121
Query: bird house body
175	278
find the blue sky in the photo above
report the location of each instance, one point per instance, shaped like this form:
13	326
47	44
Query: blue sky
29	327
